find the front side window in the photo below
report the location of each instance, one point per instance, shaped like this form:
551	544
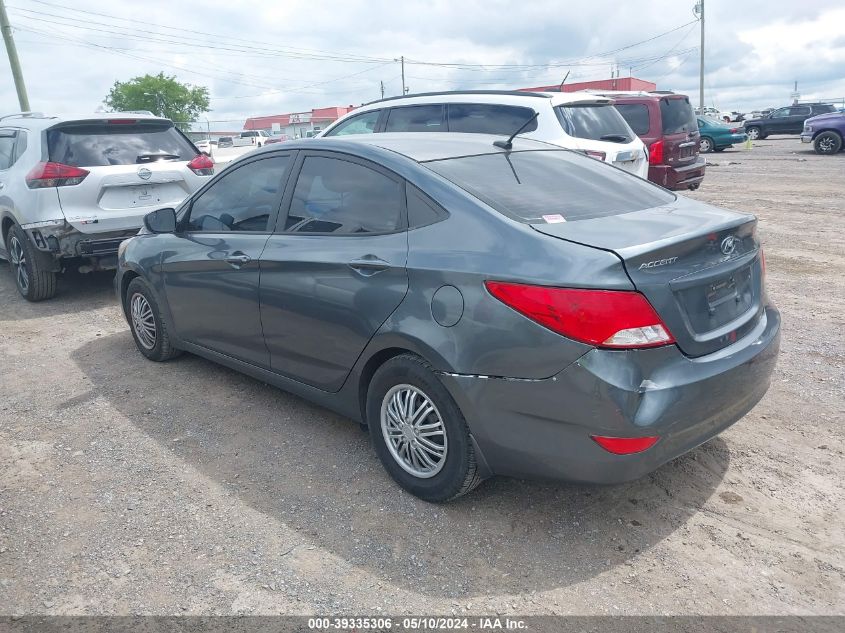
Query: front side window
594	122
364	123
421	118
242	200
489	118
779	114
636	115
341	197
529	185
103	143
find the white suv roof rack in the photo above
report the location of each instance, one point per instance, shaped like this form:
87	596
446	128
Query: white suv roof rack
24	115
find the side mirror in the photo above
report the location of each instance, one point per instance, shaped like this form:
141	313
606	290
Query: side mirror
161	221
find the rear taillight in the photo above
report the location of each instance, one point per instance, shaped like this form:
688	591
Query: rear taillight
202	165
734	130
54	175
655	153
625	445
604	318
594	154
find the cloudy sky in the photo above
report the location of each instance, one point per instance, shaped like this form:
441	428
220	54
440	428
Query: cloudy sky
270	56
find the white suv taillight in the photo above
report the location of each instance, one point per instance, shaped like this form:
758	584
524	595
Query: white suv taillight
202	165
54	175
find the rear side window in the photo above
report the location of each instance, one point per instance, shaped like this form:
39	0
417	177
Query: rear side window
799	111
7	149
636	115
677	116
421	118
101	144
489	118
364	123
527	186
594	122
241	200
341	197
824	108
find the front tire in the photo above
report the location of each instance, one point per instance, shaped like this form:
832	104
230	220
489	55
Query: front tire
29	266
705	145
754	133
146	322
828	143
418	431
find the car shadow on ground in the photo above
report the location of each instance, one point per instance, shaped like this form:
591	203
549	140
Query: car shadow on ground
76	293
315	472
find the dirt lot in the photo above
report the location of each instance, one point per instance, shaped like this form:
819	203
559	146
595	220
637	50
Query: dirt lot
133	487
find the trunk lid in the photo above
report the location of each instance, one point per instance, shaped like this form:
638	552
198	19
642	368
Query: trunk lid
699	266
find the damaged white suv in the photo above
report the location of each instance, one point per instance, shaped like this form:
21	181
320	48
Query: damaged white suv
73	188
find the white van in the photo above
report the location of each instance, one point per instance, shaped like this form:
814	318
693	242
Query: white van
577	121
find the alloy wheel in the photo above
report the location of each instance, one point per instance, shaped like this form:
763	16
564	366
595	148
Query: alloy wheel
414	431
18	260
705	146
143	321
826	144
753	133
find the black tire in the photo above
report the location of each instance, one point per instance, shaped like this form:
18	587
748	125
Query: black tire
30	267
706	145
159	348
754	133
828	143
458	473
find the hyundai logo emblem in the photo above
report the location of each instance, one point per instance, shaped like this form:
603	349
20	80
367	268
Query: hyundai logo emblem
144	174
729	245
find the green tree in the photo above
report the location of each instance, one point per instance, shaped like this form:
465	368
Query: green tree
181	103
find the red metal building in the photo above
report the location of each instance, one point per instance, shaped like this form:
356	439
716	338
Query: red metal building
620	83
296	124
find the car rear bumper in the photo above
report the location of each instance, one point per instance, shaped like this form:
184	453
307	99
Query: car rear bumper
61	239
684	177
542	428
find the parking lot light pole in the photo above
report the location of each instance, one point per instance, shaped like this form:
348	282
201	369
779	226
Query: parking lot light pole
14	62
699	11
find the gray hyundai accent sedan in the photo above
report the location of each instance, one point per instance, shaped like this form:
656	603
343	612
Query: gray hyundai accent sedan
484	310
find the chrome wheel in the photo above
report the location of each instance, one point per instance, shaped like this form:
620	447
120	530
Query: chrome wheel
17	257
827	144
143	321
705	146
413	431
753	133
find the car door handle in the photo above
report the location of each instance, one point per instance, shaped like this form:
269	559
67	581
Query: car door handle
368	265
238	259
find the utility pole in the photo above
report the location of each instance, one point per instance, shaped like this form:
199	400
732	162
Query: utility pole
14	62
381	83
404	90
699	9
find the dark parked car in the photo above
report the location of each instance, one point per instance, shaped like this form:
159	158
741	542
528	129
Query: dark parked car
528	311
788	120
225	141
668	127
825	132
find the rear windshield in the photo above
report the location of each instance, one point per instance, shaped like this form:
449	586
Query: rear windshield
677	116
529	185
103	144
595	122
636	115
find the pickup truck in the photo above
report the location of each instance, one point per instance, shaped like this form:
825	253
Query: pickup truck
826	132
256	138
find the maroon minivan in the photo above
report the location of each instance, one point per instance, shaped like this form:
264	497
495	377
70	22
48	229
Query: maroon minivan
666	124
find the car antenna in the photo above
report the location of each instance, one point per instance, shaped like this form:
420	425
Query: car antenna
509	143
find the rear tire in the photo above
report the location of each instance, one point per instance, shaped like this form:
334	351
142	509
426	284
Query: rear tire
754	133
828	143
429	456
30	267
147	323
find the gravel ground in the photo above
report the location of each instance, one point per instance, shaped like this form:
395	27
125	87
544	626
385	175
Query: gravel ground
186	488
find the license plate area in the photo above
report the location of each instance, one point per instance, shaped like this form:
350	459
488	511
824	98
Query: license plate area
718	301
143	195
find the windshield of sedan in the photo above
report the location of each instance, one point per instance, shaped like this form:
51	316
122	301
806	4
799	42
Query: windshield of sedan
547	186
594	122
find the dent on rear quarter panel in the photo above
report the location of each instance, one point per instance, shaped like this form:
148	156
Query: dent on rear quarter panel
476	244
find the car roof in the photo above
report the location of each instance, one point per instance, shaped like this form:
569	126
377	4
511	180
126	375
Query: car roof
38	120
419	147
502	97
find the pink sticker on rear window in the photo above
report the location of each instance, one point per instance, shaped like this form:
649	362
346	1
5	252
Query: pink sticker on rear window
554	219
